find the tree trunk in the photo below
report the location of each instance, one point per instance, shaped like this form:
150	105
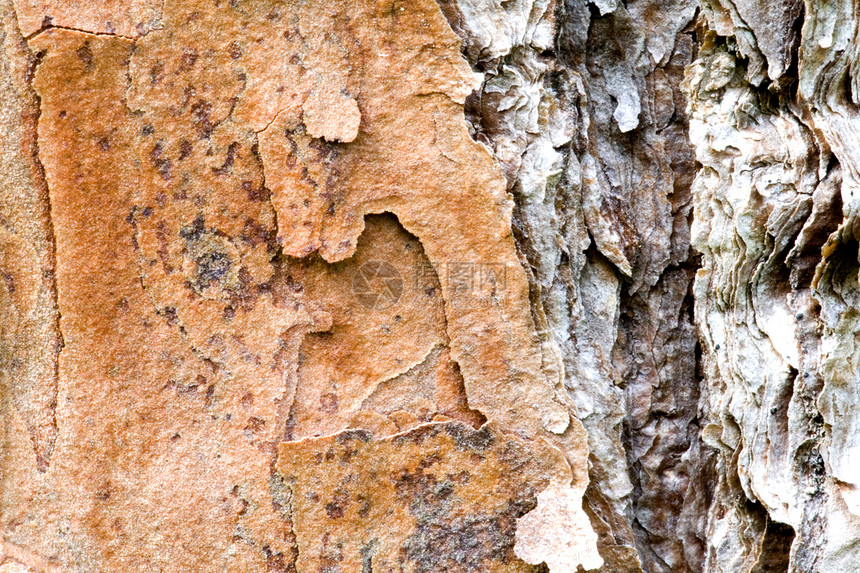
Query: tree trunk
429	286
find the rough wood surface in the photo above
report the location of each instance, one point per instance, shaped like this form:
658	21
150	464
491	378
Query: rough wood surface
437	285
250	259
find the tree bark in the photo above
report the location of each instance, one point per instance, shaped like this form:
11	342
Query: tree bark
428	286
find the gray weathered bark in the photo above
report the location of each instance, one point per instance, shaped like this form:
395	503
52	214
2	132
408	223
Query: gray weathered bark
738	456
582	107
773	120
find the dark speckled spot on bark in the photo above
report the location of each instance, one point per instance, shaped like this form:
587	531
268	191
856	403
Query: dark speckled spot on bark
331	556
229	160
468	439
234	50
278	562
281	495
212	266
465	544
334	510
367	551
462	544
85	54
465	437
185	149
194	231
354	435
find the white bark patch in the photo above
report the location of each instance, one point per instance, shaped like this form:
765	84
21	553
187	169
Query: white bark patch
557	532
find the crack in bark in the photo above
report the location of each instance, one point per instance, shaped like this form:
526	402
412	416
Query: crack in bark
46	387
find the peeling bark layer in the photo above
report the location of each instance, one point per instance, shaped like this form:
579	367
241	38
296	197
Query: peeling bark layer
253	262
581	106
